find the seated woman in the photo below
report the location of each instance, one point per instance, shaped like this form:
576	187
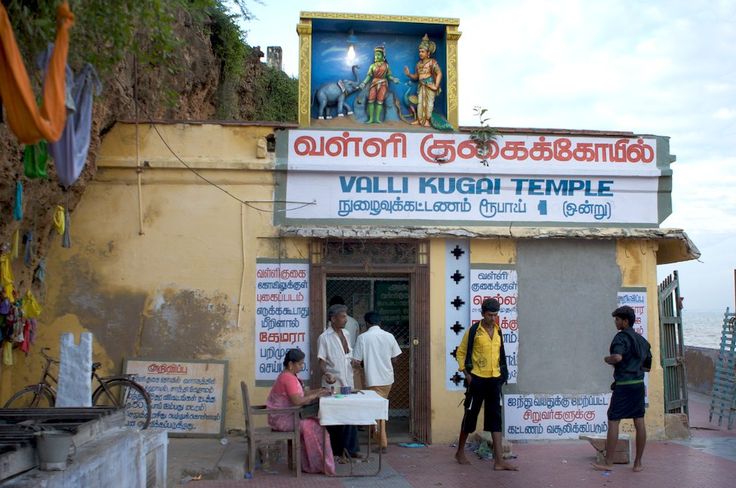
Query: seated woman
289	392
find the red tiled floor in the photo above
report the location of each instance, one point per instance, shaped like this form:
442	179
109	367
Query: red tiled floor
542	464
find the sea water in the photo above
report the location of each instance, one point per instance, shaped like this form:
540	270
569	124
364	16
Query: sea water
702	328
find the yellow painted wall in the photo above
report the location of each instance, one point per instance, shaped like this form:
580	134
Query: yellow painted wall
174	290
637	260
184	288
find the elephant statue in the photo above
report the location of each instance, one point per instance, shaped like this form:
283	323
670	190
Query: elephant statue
334	93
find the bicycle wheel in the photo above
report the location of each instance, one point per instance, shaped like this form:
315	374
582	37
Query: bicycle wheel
128	395
33	396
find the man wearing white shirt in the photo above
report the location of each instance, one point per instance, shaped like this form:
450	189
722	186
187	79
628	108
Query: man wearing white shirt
334	353
353	329
377	350
351	326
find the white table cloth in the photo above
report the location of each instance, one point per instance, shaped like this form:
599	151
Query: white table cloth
362	408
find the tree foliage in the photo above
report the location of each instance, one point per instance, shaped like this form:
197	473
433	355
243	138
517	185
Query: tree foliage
106	32
276	96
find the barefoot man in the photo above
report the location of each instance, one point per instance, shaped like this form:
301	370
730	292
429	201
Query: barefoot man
630	356
482	360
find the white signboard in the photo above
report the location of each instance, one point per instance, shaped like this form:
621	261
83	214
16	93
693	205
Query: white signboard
282	315
636	298
555	416
503	285
186	396
384	176
518	198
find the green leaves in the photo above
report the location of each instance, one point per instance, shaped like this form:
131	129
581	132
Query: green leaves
483	135
106	32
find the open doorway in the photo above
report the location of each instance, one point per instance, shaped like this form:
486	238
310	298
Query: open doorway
389	296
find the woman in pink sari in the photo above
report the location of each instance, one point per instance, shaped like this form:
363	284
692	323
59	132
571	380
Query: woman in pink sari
288	392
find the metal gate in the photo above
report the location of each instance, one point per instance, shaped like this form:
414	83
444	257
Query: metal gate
671	345
389	297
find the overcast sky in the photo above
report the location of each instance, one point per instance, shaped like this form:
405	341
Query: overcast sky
651	67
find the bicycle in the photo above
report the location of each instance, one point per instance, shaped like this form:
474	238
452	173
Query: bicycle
113	391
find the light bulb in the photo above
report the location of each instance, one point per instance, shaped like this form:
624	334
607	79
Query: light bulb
351	55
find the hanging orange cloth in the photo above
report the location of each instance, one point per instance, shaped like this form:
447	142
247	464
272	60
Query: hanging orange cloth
29	123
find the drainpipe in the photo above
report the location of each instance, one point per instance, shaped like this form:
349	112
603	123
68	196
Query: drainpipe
138	167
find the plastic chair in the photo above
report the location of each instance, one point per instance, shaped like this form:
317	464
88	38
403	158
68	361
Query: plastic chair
255	434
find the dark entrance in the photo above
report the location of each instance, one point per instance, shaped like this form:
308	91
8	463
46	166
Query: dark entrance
391	277
390	297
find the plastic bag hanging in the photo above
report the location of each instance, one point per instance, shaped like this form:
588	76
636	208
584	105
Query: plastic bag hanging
31	308
15	244
28	252
67	239
40	274
35	158
18	208
6	277
8	353
59	220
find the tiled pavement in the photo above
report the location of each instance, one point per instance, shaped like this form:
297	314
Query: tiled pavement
706	460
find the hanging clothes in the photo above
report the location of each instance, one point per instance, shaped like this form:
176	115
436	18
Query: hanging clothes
29	123
66	241
15	244
39	275
6	277
59	220
31	308
18	207
28	251
25	345
35	157
8	353
70	151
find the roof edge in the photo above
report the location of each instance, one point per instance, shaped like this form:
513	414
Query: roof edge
674	244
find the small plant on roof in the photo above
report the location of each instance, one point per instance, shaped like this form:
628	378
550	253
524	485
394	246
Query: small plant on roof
483	135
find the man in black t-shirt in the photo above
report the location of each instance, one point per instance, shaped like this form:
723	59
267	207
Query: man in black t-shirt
630	356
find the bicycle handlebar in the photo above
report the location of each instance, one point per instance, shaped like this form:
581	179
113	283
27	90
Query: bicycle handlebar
48	358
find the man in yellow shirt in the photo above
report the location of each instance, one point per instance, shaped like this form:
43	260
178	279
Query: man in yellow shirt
482	359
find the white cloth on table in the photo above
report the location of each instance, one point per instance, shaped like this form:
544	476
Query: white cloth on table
354	409
375	348
330	350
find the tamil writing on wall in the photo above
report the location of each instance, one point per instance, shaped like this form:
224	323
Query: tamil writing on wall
282	315
385	176
503	285
186	396
557	416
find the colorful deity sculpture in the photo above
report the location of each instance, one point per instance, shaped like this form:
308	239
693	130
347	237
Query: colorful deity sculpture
429	77
379	74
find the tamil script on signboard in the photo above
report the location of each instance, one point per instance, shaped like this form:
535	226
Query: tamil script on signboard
282	315
503	285
555	416
186	396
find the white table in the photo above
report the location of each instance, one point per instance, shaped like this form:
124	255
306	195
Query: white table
361	408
